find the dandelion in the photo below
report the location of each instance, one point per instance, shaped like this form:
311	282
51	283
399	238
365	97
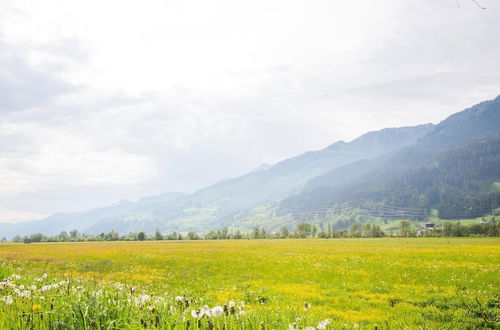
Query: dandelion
8	300
36	307
309	328
142	299
197	314
179	298
21	287
231	304
217	311
25	294
355	325
16	277
119	286
32	288
38	279
323	324
46	288
44	275
159	300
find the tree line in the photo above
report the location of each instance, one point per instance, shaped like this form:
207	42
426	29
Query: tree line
406	228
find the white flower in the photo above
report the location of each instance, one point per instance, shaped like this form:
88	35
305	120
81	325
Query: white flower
33	287
197	314
355	325
231	304
179	298
217	311
309	328
25	294
44	275
46	287
119	286
242	313
8	300
21	287
38	279
323	324
16	277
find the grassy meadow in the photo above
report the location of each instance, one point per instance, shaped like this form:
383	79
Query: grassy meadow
255	284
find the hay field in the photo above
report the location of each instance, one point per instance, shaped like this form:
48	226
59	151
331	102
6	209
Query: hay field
254	284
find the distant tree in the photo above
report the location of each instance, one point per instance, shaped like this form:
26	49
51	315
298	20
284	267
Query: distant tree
447	228
366	230
111	236
63	236
141	236
284	233
74	234
17	239
355	230
304	229
237	235
38	237
158	235
405	228
224	233
192	235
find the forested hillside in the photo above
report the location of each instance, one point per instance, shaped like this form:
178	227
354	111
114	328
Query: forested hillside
454	169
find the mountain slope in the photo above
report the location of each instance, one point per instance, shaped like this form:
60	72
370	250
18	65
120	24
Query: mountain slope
216	206
452	169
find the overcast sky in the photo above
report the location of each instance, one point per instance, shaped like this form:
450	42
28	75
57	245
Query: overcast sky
108	100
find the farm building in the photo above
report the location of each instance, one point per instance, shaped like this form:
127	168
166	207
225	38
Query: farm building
429	227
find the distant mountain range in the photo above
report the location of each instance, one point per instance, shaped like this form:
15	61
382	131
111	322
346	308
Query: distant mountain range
392	173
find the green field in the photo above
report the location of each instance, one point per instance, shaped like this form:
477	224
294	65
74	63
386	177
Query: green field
258	284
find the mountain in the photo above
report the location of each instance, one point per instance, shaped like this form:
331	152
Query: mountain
82	221
217	205
223	203
453	169
393	173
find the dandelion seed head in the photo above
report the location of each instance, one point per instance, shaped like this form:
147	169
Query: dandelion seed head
217	311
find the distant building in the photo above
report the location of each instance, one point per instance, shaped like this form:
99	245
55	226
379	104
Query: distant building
429	227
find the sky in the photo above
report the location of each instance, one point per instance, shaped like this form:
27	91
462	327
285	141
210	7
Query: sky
102	101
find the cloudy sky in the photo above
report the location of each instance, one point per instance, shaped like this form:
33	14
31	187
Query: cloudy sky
108	100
